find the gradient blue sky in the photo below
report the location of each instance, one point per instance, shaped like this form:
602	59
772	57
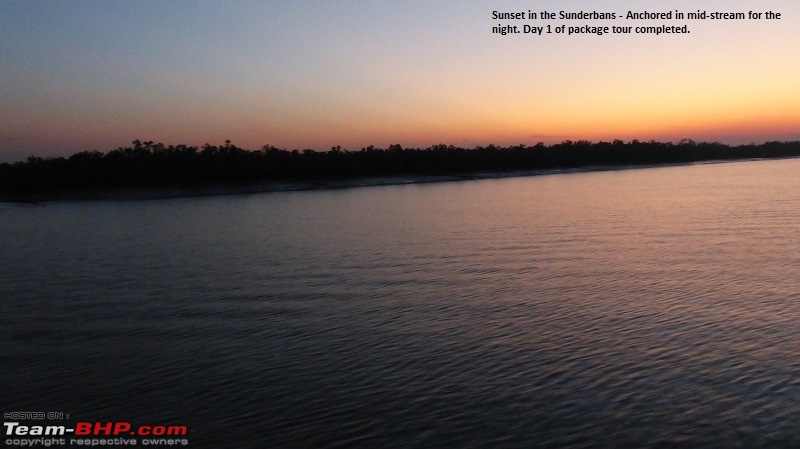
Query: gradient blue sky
94	75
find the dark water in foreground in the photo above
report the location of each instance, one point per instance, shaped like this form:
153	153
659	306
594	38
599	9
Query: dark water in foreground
642	308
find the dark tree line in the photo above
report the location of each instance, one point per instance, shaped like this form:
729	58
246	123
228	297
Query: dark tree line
153	164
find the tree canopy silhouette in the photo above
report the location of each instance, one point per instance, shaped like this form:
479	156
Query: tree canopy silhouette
146	163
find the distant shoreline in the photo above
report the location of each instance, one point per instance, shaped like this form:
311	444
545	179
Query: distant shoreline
159	192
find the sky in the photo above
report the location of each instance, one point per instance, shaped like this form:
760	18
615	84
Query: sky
95	75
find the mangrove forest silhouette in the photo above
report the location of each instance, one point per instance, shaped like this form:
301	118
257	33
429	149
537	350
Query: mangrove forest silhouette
149	164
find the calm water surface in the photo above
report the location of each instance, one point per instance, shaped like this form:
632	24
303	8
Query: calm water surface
641	308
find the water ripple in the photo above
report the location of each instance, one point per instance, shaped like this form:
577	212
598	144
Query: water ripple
647	308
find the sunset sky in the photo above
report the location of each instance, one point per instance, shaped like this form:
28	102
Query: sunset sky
94	75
